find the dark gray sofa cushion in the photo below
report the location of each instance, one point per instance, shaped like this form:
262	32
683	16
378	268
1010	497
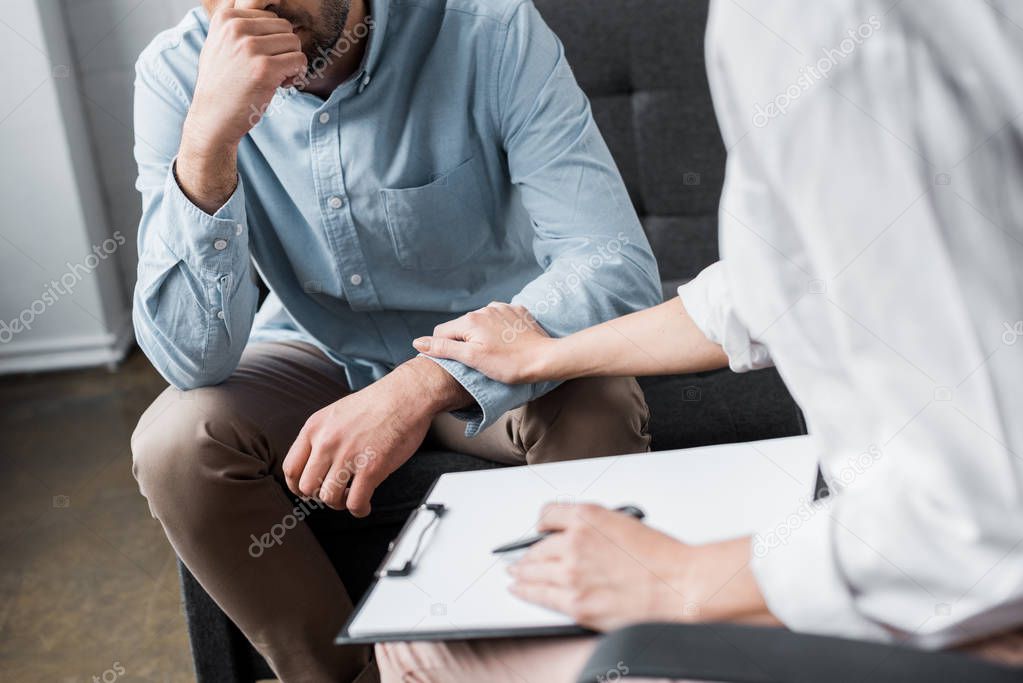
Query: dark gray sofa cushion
641	64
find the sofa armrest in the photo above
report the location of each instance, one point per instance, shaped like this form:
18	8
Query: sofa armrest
729	652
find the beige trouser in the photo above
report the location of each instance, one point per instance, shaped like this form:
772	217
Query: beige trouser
209	463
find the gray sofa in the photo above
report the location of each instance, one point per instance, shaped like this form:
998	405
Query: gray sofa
641	63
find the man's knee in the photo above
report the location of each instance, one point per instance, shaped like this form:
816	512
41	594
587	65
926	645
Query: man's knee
589	417
182	440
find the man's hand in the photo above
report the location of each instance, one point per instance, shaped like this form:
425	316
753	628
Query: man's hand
345	450
607	570
248	54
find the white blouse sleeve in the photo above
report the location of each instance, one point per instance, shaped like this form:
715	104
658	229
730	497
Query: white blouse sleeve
708	301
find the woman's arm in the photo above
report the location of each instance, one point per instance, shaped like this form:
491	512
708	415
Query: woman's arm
505	343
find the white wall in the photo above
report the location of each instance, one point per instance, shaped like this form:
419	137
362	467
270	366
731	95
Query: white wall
67	177
106	39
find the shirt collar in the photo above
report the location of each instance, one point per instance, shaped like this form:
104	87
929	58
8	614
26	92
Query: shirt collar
379	10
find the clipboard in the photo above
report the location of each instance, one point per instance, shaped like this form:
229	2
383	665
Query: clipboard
440	580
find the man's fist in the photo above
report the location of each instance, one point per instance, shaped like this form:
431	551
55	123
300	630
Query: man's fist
345	450
248	54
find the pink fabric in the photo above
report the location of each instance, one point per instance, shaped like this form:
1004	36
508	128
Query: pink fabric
547	660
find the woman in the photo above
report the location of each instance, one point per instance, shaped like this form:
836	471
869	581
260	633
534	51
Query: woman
871	250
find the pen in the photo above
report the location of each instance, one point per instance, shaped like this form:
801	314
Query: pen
630	510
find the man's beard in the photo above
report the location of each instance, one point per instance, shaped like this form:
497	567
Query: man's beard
325	30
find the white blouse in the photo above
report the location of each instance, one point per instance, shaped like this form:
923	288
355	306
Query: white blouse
872	249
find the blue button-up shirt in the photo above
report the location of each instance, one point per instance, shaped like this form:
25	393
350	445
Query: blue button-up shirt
459	165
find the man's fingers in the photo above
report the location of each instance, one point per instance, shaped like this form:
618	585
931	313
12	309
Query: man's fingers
268	25
270	44
287	65
252	5
295	460
440	347
315	472
227	12
334	486
360	493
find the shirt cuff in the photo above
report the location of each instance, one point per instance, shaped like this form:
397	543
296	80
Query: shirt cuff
493	399
796	569
202	240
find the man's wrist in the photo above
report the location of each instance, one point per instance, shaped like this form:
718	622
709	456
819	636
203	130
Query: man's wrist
439	390
206	172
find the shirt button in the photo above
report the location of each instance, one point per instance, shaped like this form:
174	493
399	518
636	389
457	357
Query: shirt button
324	117
220	245
220	314
356	279
336	202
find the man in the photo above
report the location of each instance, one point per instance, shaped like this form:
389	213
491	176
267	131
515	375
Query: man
422	160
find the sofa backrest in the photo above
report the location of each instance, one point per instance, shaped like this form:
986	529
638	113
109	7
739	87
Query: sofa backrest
641	63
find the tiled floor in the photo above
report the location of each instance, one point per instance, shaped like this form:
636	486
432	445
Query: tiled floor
88	584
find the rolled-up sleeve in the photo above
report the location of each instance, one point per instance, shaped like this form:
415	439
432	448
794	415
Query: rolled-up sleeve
195	297
708	301
587	237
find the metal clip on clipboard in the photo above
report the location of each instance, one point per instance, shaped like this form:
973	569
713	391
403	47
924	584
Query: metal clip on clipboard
437	511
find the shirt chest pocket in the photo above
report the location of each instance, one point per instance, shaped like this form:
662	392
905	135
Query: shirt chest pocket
441	225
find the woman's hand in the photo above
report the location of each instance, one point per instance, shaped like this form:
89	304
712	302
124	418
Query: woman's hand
502	341
607	570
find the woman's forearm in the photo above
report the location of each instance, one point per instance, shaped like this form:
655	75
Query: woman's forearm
657	341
